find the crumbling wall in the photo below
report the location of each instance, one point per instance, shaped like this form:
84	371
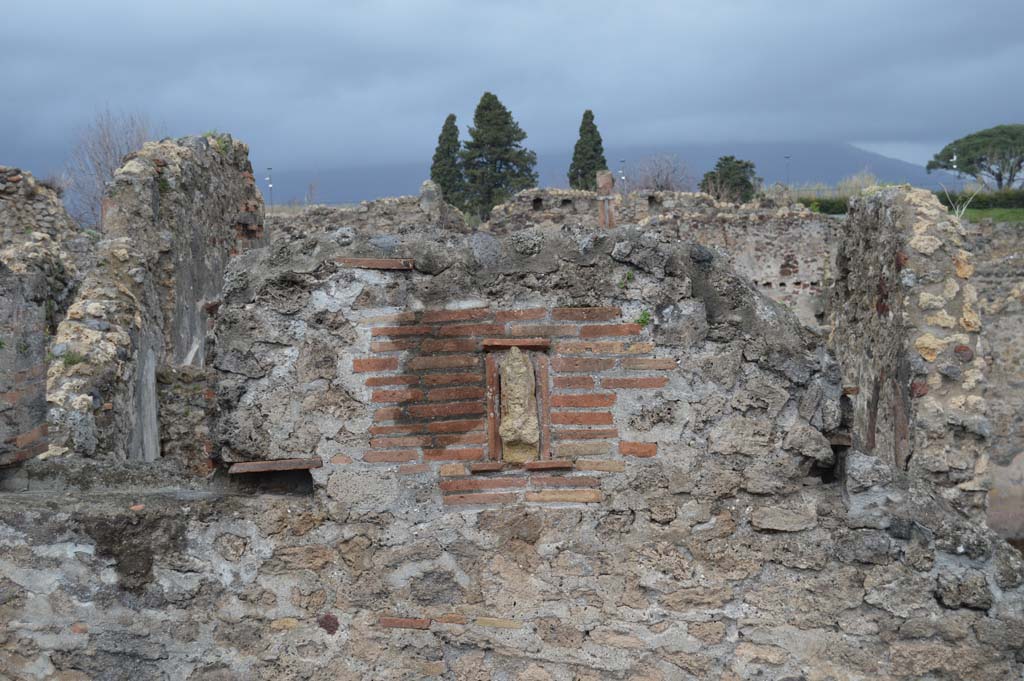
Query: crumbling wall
391	215
906	330
722	541
23	336
173	216
38	278
787	250
999	259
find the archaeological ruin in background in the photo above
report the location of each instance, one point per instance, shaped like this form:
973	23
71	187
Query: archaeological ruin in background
598	437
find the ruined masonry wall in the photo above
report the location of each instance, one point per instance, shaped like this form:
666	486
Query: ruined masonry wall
999	258
785	250
173	216
23	336
906	330
754	544
38	278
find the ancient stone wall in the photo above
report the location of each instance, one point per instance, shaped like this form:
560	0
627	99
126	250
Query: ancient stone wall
906	330
999	257
787	250
23	336
39	278
173	216
392	215
721	531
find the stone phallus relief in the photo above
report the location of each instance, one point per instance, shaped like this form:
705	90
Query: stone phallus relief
519	428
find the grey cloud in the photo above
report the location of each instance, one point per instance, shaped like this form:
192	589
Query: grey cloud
333	84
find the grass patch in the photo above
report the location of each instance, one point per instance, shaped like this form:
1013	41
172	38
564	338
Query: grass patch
71	358
644	319
996	214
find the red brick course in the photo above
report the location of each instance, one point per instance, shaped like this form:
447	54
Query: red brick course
435	375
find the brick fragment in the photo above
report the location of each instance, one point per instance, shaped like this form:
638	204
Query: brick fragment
360	366
586	314
582	418
586	433
474	438
407	395
486	467
581	365
480	498
413	468
584	400
544	330
564	481
477	484
443	362
450	470
392	346
548	465
400	330
587	448
457	426
641	363
472	330
404	379
574	382
446	409
570	496
461	393
450	345
603	330
471	314
638	449
387	414
391	442
465	454
449	379
635	383
603	466
523	343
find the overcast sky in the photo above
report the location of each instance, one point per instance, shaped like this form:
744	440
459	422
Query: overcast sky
340	83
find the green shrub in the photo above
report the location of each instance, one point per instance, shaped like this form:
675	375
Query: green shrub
829	205
1008	198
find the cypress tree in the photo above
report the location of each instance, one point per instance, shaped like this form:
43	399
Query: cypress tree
445	170
588	156
494	162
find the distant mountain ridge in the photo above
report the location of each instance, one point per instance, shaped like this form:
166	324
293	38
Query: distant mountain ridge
809	163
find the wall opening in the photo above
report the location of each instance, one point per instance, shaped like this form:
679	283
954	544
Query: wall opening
538	203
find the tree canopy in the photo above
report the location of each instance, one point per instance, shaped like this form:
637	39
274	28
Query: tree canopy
587	156
445	169
732	180
992	156
494	162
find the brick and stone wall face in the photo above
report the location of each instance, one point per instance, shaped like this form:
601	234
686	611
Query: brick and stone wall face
907	330
173	217
726	529
433	377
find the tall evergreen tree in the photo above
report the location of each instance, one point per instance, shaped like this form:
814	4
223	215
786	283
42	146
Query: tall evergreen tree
494	162
446	170
587	156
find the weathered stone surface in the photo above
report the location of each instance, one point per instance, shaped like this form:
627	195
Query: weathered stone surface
520	426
